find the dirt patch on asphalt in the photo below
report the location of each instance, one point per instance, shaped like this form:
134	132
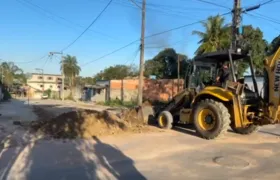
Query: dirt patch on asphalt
88	123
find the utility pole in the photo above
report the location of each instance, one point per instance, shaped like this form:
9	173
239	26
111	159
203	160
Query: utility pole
62	72
236	24
178	72
142	47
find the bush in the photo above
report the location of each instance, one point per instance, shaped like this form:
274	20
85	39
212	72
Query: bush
47	92
6	95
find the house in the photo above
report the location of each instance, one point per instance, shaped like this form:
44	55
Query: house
38	83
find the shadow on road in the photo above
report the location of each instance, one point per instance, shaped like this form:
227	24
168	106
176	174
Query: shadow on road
186	129
271	133
65	159
121	166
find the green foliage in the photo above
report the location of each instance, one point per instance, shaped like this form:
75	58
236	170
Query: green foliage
215	36
165	64
254	43
11	72
85	80
116	72
274	45
69	65
47	92
6	94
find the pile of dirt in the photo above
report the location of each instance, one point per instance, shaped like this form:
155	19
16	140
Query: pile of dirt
89	123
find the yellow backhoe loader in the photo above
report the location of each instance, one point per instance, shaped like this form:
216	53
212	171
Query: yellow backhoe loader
213	109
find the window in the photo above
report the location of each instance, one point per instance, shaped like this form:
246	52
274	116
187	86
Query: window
40	77
50	78
58	87
41	86
59	79
50	86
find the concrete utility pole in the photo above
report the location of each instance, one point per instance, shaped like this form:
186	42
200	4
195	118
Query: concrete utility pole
62	72
142	47
236	24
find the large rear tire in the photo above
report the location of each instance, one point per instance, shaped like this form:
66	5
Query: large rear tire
211	119
165	120
247	130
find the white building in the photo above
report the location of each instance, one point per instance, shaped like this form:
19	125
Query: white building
44	82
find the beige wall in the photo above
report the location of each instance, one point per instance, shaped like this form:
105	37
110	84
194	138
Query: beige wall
46	81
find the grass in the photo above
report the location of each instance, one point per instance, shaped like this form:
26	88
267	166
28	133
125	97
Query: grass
118	103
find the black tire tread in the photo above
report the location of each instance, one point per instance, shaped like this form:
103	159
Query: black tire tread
225	118
246	131
169	118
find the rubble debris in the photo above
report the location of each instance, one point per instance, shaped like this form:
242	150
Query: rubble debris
88	123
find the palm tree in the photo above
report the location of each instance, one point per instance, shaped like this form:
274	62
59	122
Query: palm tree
10	71
71	69
216	35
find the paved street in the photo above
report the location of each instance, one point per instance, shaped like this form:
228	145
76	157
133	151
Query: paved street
176	154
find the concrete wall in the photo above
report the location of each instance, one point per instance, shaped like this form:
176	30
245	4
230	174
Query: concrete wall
46	81
249	81
127	90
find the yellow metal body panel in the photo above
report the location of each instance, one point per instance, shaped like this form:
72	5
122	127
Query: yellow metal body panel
215	91
272	67
185	116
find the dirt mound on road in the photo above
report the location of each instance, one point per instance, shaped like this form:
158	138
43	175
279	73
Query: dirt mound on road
88	123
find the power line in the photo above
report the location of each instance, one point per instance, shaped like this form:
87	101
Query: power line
46	62
73	42
180	27
135	4
123	47
173	29
266	2
264	18
134	55
33	59
60	17
218	5
165	46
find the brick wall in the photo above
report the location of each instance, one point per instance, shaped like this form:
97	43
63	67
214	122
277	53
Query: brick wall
127	90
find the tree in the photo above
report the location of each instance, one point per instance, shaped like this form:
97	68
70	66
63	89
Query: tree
71	69
253	43
116	72
10	72
215	36
274	45
165	64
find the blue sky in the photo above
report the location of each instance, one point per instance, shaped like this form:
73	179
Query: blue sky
27	32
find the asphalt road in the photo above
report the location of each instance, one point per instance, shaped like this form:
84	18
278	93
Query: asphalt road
176	154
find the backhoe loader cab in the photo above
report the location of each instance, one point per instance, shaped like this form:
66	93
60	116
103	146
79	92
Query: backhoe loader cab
212	108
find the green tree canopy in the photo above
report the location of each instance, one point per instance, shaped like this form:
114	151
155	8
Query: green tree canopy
69	65
215	36
116	72
10	71
254	43
165	64
274	45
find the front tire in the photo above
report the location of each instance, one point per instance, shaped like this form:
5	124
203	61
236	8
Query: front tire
165	120
211	119
247	130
